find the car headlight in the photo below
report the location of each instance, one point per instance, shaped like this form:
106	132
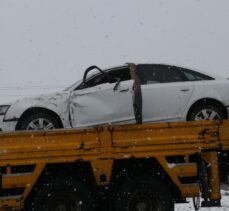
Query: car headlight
4	109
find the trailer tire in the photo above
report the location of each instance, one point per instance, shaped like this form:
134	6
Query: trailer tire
61	195
144	193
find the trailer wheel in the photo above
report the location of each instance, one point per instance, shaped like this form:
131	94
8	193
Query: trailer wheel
61	195
144	193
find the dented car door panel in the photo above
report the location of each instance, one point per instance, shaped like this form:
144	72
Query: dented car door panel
102	104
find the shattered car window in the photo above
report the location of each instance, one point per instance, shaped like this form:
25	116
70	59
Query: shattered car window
122	74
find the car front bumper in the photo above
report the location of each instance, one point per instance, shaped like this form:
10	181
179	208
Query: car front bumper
6	126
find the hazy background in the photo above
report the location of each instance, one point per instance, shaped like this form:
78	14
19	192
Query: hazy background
47	44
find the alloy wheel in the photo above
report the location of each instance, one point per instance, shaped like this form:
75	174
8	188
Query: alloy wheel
207	114
40	124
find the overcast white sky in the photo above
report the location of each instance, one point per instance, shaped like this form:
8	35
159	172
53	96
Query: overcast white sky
49	43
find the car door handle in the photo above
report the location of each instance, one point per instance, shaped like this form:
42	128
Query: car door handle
185	90
124	90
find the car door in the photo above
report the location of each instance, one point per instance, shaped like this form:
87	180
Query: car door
165	95
102	103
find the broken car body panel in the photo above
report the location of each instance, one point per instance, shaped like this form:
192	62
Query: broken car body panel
102	104
57	103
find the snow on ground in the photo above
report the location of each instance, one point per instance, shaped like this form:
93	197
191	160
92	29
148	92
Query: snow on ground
225	203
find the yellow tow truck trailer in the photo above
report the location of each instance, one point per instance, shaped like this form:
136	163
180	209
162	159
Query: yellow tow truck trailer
117	168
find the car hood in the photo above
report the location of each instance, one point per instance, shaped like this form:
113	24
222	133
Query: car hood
45	98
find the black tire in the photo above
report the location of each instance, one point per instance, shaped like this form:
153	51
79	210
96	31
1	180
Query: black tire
64	195
196	112
25	122
144	193
224	167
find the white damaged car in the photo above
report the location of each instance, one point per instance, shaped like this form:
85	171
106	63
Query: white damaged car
122	95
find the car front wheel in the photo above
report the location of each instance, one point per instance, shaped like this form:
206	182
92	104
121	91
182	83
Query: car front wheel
39	121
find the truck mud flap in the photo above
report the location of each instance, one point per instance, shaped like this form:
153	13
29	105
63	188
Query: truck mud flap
0	184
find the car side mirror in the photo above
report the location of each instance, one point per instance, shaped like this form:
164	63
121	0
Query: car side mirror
117	84
113	80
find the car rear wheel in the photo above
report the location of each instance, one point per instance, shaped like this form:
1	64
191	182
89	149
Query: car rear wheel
39	121
206	112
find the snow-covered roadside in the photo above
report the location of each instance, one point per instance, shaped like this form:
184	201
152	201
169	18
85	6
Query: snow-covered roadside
225	203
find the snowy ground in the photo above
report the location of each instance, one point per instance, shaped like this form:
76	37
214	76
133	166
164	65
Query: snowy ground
225	203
